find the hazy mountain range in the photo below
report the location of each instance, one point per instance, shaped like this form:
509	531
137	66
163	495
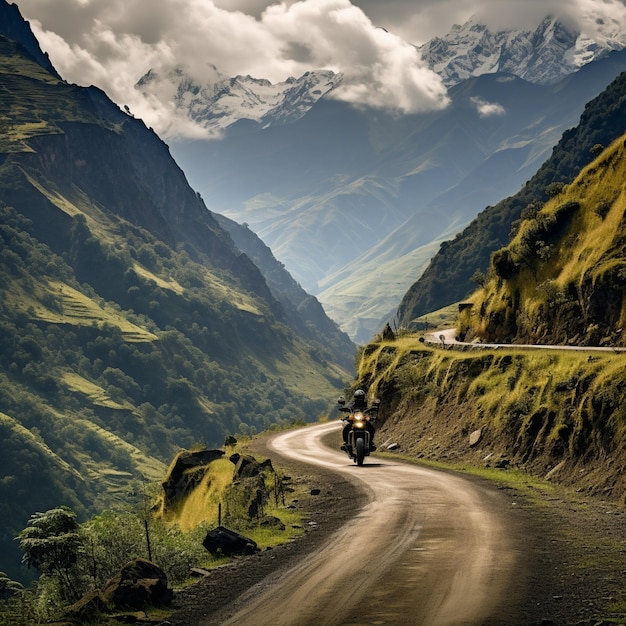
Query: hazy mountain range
355	202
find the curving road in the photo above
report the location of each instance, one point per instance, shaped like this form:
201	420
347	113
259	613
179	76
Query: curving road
447	337
429	548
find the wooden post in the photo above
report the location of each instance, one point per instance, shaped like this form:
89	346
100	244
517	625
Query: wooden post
145	523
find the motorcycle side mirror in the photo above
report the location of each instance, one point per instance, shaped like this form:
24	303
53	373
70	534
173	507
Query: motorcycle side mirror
376	403
341	400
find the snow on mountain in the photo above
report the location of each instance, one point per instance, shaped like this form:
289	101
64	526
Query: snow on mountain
218	104
543	56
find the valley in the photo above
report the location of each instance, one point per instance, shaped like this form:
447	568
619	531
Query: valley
377	195
167	309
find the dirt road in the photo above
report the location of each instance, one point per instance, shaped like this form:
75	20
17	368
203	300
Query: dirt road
428	548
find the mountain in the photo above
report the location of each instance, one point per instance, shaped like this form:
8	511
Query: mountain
355	202
224	101
304	312
131	325
543	56
565	266
448	277
16	28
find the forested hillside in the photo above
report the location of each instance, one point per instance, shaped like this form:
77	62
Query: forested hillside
449	276
130	323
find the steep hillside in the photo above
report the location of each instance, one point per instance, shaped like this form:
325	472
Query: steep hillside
303	310
131	325
562	279
555	414
558	414
448	277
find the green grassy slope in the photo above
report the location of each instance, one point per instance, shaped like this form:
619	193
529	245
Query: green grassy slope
555	414
448	278
558	414
562	279
130	325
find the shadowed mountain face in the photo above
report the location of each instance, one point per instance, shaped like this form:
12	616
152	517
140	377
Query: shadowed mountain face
131	324
356	202
448	277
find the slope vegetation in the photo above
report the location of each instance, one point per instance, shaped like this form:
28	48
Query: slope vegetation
130	323
555	414
558	414
448	278
562	279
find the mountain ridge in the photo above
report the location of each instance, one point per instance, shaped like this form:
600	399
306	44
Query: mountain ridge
348	183
564	266
130	323
216	105
447	279
543	56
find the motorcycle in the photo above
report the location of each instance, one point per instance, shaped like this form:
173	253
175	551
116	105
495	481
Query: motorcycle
358	444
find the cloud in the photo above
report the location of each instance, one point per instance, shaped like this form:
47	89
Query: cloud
487	109
112	43
418	21
380	69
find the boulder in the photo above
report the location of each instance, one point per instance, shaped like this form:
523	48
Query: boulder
227	542
475	437
247	466
270	521
180	481
139	584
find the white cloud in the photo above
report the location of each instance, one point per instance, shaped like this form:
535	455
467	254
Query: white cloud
112	43
379	68
487	109
419	20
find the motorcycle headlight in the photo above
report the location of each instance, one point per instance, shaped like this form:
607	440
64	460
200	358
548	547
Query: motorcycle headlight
359	424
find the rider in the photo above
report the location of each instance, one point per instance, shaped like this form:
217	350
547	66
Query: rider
359	403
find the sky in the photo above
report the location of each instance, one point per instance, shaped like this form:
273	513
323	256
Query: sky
112	43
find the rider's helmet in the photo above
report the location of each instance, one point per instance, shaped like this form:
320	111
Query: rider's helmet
359	399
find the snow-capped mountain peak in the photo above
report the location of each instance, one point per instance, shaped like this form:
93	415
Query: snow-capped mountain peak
544	55
217	104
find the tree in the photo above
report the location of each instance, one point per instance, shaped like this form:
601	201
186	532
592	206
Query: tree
51	543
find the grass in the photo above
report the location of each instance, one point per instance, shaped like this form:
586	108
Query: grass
530	487
442	318
74	307
202	505
96	394
266	537
543	406
568	256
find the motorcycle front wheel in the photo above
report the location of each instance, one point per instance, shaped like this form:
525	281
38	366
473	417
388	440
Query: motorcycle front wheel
360	451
